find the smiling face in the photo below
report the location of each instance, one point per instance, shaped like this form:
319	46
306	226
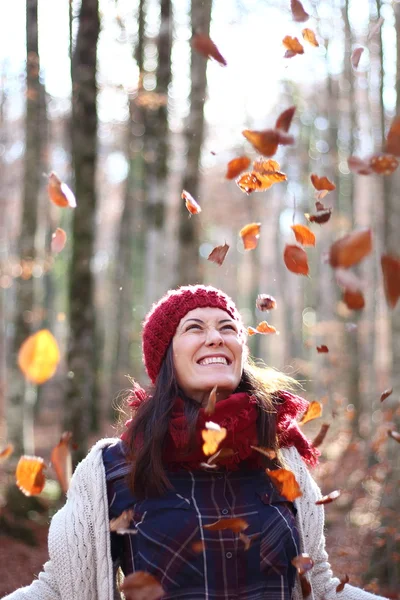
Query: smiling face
208	351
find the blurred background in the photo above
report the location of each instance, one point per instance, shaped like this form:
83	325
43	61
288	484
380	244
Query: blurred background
111	96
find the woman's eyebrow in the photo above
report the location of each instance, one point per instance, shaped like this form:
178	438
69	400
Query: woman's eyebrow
192	319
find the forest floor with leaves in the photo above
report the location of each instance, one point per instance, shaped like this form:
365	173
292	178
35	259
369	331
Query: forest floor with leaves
351	521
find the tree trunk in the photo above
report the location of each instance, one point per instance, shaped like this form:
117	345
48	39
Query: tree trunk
81	396
188	250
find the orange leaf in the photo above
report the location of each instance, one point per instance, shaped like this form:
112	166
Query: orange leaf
29	475
266	142
39	356
322	349
206	47
218	254
6	452
356	55
236	166
268	452
309	36
212	436
383	164
142	586
58	240
319	438
351	248
59	192
386	394
212	399
393	138
391	278
328	498
298	12
122	522
254	182
198	546
353	300
303	235
284	120
269	167
246	540
191	203
61	460
322	183
286	483
234	524
343	581
250	234
264	328
295	259
314	410
265	302
359	165
293	46
303	563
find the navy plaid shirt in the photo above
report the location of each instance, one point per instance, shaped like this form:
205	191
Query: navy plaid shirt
167	527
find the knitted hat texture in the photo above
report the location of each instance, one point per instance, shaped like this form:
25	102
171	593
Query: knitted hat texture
163	319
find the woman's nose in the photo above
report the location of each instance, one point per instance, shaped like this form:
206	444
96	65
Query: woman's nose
214	337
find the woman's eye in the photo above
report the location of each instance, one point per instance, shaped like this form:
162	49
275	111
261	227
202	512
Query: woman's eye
194	326
231	327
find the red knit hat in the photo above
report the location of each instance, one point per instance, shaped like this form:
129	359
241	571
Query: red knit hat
163	318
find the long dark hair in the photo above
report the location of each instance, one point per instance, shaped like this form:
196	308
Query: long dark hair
151	421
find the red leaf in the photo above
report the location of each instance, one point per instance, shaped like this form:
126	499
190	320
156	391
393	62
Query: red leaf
386	394
322	349
383	164
191	203
206	47
295	259
142	586
328	498
265	302
284	120
391	278
343	581
351	248
266	142
393	138
322	183
236	166
354	300
356	55
218	254
321	216
61	460
58	240
319	438
298	12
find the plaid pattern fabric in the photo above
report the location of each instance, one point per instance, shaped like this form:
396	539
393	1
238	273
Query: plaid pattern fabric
168	527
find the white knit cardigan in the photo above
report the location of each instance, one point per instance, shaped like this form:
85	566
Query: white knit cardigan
80	565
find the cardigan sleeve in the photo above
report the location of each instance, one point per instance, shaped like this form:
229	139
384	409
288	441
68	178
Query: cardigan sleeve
312	518
43	588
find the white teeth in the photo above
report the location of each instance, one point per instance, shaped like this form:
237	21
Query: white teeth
214	359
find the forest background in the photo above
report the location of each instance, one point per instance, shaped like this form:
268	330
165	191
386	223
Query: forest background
114	97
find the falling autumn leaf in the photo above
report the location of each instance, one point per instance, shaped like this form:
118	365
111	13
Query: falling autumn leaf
250	235
394	435
236	166
322	183
314	410
383	164
353	300
198	546
122	522
322	349
58	240
359	165
268	452
391	278
309	36
266	142
234	524
351	248
356	55
329	498
319	438
303	235
39	356
61	460
320	217
246	540
29	475
298	12
295	259
212	399
218	254
190	203
262	328
212	436
59	192
386	394
343	581
303	563
305	586
284	120
206	47
292	46
286	483
265	302
254	182
6	452
393	138
142	586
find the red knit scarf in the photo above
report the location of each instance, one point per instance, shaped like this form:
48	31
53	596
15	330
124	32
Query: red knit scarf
238	414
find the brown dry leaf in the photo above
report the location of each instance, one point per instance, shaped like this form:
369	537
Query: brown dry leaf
322	183
29	475
298	12
284	120
286	483
61	460
393	138
236	166
193	207
59	192
303	235
266	141
142	586
355	56
206	47
58	240
250	235
303	563
319	438
353	300
212	436
246	540
122	522
292	46
383	164
234	524
309	36
351	248
265	302
218	254
295	259
268	452
343	581
198	546
320	217
254	182
39	356
329	498
391	278
305	586
386	394
6	452
212	399
359	165
263	328
322	349
394	434
348	280
314	410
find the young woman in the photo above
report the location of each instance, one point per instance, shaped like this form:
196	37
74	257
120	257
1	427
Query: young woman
157	476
